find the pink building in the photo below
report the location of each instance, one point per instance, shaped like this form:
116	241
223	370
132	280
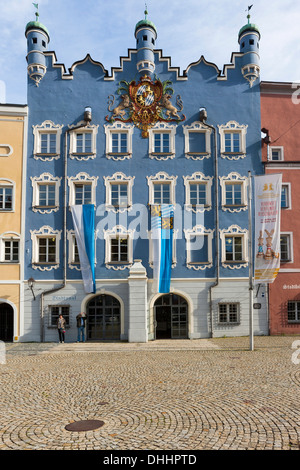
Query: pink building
280	119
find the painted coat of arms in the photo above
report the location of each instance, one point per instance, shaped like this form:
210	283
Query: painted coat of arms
145	103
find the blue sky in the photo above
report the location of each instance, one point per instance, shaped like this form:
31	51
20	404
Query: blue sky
186	30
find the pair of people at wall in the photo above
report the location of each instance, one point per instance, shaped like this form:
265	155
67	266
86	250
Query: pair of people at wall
81	319
61	326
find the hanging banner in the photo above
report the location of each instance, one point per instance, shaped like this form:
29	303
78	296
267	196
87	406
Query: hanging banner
84	221
162	244
267	228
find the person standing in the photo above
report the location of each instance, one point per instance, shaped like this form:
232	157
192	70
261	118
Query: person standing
81	319
61	326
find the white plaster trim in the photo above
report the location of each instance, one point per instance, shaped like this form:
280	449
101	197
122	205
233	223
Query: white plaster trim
162	128
197	127
198	177
8	147
235	230
90	129
118	177
199	230
46	127
44	232
81	177
44	178
241	129
118	127
234	177
115	232
162	177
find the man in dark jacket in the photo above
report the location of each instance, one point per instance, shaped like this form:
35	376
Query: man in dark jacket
81	319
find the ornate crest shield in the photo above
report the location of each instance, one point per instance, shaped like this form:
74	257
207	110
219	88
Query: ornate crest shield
145	103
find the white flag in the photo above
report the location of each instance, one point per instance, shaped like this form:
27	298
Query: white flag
267	227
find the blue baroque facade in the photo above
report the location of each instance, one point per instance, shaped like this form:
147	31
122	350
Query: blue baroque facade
142	135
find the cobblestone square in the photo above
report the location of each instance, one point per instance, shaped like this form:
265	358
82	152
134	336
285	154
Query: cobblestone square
212	394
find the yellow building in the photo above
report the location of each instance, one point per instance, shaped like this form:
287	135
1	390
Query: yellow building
13	144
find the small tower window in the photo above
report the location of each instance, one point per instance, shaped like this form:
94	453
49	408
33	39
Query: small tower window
145	38
243	44
34	40
43	43
251	42
153	42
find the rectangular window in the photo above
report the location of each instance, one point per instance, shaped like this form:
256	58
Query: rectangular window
46	250
229	313
232	142
276	154
11	251
119	195
119	142
233	194
198	246
293	311
48	143
6	198
83	193
84	142
233	248
198	194
46	194
162	193
119	250
285	248
75	252
161	142
285	203
197	142
56	310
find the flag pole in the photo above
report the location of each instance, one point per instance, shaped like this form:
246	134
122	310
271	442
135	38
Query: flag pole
251	338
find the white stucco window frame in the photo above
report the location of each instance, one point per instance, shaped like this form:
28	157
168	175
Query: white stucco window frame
8	183
118	128
10	236
279	149
233	127
234	178
36	181
90	129
47	127
162	177
197	127
198	177
234	231
199	230
44	232
162	128
82	178
115	232
118	178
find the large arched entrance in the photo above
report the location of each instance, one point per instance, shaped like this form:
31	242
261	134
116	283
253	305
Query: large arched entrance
6	322
103	318
171	317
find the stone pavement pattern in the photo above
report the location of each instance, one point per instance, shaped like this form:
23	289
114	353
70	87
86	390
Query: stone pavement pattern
200	394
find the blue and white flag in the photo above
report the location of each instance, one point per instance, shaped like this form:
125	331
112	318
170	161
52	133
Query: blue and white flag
84	226
162	218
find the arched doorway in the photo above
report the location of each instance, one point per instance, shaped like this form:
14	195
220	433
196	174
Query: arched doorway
103	318
171	317
6	322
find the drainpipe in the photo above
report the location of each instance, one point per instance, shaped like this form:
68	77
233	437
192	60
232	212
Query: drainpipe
87	120
203	117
